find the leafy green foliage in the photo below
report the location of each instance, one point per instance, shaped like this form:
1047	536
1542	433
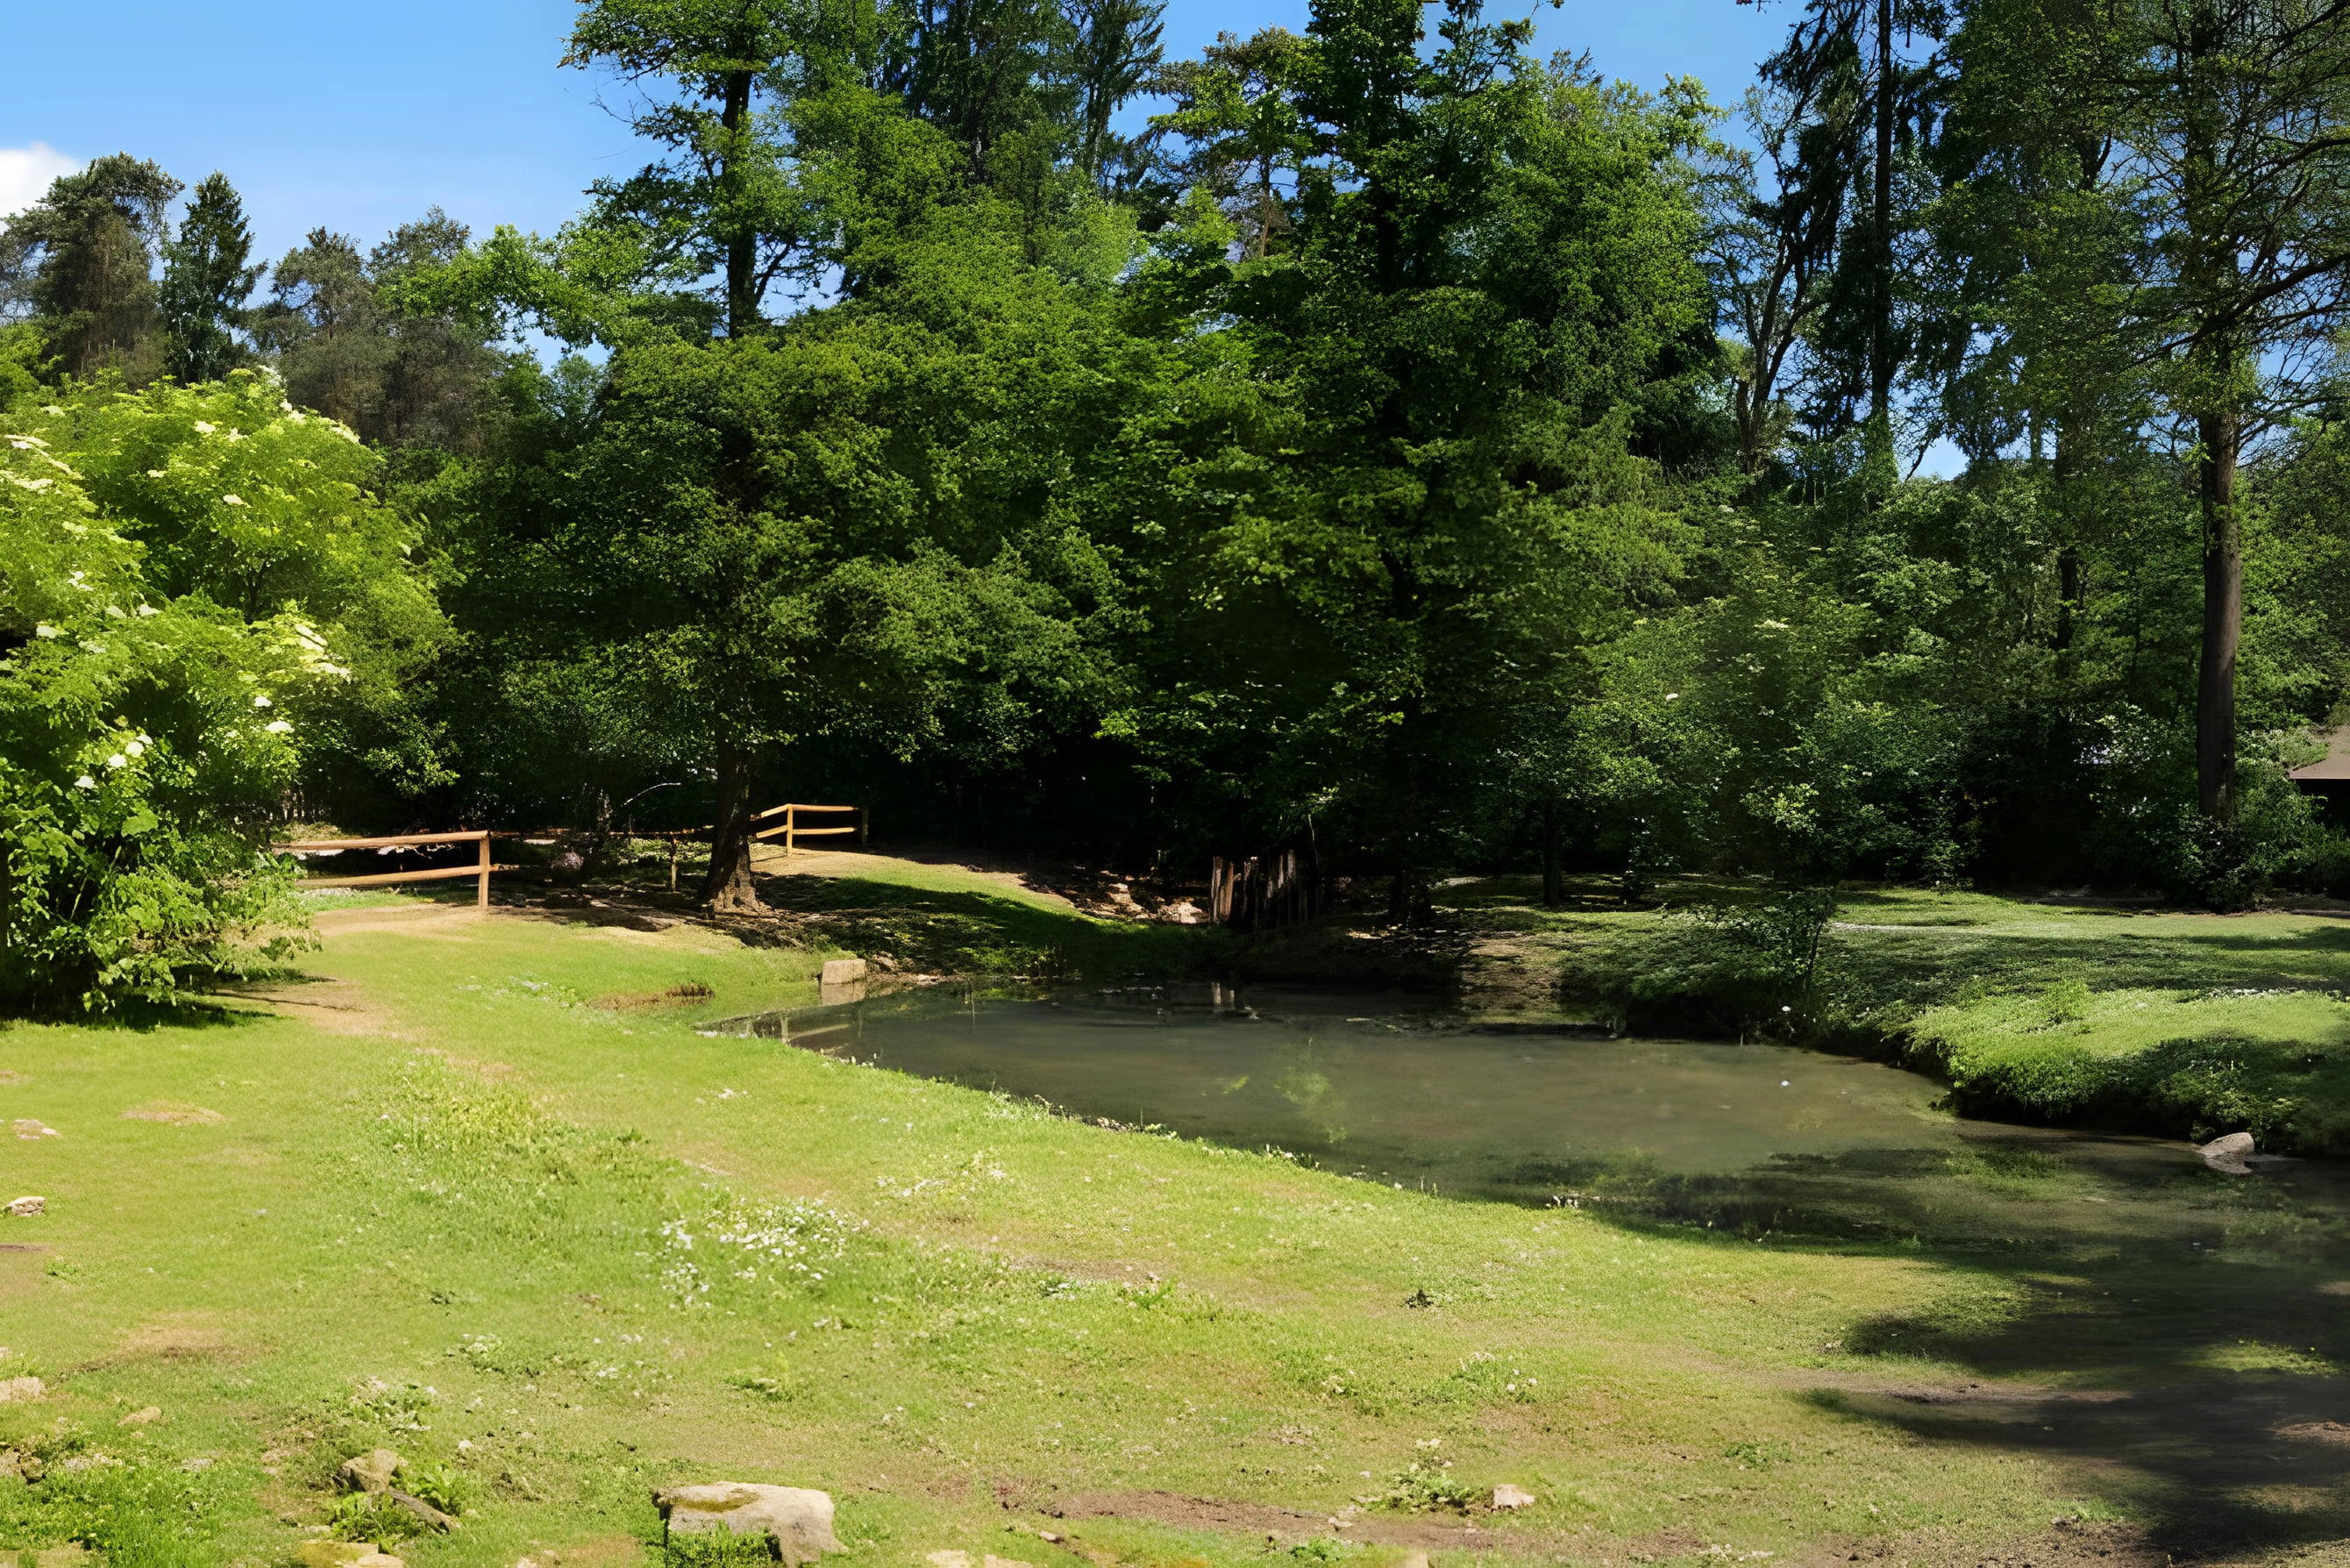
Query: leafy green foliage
191	577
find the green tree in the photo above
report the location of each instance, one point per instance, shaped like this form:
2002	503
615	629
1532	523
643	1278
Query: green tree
192	582
82	261
1490	276
348	348
206	285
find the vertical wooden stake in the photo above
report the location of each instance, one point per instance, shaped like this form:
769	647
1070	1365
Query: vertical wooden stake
787	831
482	892
673	865
860	827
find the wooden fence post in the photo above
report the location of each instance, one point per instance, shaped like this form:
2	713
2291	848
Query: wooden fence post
673	865
789	827
860	827
482	890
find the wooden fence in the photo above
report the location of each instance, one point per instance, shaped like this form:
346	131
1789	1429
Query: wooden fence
480	871
790	831
1264	891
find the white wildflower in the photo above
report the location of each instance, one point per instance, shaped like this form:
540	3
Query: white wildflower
232	500
118	761
278	727
261	701
1773	625
85	781
203	426
45	630
136	749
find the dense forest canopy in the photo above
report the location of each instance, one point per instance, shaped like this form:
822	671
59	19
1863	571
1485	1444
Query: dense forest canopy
1377	440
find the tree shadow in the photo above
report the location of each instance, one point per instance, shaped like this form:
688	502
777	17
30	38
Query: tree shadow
2175	1339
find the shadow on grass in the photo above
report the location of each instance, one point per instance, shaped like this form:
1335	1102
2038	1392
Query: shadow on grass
2172	1338
970	931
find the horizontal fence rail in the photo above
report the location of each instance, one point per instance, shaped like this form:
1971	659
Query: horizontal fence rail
480	871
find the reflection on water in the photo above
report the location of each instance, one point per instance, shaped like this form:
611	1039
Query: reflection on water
2181	1330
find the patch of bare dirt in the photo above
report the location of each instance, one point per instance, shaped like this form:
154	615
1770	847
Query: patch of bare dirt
2315	1432
1289	1525
173	1113
393	916
675	996
336	1006
2067	1543
173	1336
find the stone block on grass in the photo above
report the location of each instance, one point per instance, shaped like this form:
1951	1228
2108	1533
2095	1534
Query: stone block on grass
797	1520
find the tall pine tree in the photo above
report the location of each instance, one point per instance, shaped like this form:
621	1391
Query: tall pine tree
206	281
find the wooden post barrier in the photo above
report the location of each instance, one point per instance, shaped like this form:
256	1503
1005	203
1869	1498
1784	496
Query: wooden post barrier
793	831
480	871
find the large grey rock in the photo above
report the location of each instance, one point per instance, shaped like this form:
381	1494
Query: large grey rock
26	1207
21	1390
796	1519
1507	1498
843	972
2228	1154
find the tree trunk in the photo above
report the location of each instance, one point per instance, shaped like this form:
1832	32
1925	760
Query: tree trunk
1553	869
727	888
2223	618
741	286
1880	327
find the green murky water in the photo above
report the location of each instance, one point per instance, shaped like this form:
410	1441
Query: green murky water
2183	1331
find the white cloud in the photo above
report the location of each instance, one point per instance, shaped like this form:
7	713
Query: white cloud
25	174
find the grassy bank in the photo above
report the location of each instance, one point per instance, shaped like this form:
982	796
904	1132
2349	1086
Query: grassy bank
478	1190
2157	1020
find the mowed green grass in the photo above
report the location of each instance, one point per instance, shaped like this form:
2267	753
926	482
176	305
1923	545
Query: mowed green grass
448	1210
2157	1020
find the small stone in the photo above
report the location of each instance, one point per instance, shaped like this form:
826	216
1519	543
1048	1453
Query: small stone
344	1554
28	1127
844	972
61	1557
992	1561
21	1390
949	1560
1414	1560
26	1207
797	1520
1506	1498
2227	1154
140	1417
371	1471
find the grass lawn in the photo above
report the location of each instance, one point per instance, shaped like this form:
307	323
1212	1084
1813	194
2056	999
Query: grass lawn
479	1192
2160	1020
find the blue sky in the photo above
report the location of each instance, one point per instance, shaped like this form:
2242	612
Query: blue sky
359	118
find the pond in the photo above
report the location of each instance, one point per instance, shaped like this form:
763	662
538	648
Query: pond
2138	1311
1757	1138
